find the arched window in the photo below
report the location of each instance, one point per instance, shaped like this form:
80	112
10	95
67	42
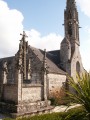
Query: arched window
70	28
78	67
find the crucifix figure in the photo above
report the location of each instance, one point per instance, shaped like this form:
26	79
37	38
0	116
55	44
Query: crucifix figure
23	36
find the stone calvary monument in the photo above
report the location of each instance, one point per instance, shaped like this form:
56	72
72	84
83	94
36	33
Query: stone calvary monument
28	78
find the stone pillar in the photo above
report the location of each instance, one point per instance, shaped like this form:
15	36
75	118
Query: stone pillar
19	86
24	60
45	76
18	75
45	86
3	79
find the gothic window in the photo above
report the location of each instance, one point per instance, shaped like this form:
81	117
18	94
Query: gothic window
78	67
70	28
10	76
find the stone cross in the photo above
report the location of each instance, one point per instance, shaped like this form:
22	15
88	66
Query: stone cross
24	35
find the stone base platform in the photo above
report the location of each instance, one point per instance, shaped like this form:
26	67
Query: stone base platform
26	108
36	112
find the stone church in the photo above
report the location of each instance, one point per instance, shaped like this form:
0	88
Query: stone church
29	77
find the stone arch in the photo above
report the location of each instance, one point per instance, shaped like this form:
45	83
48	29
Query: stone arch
78	67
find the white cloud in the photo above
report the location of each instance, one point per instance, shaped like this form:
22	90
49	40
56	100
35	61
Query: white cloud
50	41
10	28
85	43
85	6
85	54
87	30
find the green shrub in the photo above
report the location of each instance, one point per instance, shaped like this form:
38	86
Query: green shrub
76	114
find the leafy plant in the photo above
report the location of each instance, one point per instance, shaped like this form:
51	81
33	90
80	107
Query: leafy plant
77	113
81	87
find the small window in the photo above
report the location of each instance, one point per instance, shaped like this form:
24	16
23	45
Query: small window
78	67
70	28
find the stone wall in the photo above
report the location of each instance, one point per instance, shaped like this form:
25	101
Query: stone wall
55	82
76	58
25	110
32	93
33	107
10	93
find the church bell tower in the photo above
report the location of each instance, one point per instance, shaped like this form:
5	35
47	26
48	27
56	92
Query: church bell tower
69	53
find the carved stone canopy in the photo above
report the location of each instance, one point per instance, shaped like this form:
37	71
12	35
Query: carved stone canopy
5	67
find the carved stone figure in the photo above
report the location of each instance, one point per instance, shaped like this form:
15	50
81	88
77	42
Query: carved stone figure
5	72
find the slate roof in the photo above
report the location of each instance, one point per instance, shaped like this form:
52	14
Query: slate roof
52	59
54	56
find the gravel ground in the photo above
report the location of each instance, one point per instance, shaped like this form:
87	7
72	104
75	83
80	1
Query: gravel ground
63	108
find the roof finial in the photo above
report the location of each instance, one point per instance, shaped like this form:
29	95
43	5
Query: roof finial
45	54
24	35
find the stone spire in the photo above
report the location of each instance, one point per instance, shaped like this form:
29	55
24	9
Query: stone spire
23	46
71	22
71	3
69	53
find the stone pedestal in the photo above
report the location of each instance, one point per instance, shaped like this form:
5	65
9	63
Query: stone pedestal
26	108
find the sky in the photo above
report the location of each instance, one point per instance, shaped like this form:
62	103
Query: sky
42	20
